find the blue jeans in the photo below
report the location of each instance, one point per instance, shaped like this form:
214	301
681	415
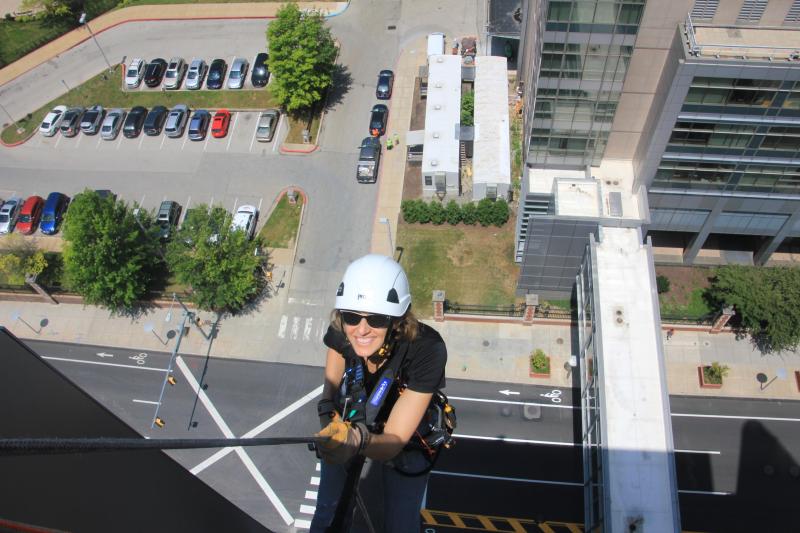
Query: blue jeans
392	500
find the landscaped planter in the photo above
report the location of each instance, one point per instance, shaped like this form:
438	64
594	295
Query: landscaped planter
537	371
702	376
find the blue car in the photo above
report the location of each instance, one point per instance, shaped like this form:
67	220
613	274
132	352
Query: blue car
53	213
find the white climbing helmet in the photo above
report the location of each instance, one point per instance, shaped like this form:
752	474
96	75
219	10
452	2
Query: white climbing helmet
374	284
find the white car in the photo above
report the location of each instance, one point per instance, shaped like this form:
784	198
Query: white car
112	124
135	73
238	73
245	219
52	121
9	214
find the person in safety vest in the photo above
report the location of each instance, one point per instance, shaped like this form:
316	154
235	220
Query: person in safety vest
383	373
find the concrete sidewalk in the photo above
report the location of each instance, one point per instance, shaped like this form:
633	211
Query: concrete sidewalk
154	12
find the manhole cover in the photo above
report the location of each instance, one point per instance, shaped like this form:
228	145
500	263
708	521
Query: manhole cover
302	260
559	341
486	343
391	27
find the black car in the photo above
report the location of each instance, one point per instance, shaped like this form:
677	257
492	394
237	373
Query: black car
198	125
70	124
385	82
155	120
377	122
260	75
216	74
155	72
133	124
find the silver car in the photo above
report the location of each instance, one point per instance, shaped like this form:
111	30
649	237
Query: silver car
238	73
175	71
9	214
267	124
196	74
176	121
112	124
245	220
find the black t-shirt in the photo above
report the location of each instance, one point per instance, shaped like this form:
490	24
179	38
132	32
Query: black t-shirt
423	367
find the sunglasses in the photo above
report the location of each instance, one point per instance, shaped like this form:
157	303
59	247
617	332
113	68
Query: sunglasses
374	321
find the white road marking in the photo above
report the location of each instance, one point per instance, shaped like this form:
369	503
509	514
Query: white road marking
58	141
295	327
185	138
282	327
707	452
104	354
260	201
709	492
248	462
205	144
315	481
311	495
135	367
525	441
319	467
80	138
307	329
738	417
509	402
141	139
99	140
141	202
146	401
307	509
502	478
274	419
277	132
230	130
305	524
163	138
119	141
254	137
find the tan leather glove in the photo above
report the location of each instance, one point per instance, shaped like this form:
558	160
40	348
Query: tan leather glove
339	441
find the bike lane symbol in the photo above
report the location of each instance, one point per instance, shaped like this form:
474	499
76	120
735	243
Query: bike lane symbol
554	395
139	358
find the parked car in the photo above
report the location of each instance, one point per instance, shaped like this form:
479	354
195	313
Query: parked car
70	123
267	124
53	213
90	123
135	73
238	73
260	76
219	126
216	74
133	124
155	72
30	214
377	121
175	72
385	83
167	218
176	121
245	220
9	214
52	121
196	74
112	124
198	125
155	120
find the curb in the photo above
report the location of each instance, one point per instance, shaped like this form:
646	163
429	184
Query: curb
18	143
290	151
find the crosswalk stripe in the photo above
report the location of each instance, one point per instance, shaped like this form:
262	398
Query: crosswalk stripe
305	524
295	327
307	509
315	481
307	329
282	327
311	495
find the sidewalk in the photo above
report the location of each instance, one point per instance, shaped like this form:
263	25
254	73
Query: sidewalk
153	12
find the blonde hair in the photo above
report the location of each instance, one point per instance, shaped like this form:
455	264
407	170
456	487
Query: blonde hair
404	328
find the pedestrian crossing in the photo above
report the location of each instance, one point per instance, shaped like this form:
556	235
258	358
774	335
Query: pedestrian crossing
307	509
300	328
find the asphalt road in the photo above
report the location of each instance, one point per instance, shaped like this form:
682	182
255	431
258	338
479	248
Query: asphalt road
736	459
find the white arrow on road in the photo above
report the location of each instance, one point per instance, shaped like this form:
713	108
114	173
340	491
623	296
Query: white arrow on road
104	355
507	392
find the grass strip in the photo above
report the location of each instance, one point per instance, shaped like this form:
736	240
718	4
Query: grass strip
280	231
106	89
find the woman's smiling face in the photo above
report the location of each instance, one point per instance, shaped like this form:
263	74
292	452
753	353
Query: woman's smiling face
364	339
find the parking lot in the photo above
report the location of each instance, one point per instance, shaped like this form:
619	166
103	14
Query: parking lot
241	138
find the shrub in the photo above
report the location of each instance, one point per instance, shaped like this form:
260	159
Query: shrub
453	212
500	212
423	212
469	214
467	108
485	212
715	373
408	208
438	214
539	362
662	284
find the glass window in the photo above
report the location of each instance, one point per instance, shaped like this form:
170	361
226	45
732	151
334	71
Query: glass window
558	11
629	14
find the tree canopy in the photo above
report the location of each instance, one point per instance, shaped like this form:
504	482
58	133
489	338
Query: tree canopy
220	265
301	57
766	300
108	258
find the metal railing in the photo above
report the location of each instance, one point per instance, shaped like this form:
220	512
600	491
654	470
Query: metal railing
705	320
484	310
696	49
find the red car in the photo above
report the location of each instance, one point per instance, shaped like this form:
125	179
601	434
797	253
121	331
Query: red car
29	215
219	126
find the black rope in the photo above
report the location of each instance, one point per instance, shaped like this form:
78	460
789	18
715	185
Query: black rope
54	445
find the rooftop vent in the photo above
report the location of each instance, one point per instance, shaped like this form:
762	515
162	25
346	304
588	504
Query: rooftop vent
434	162
435	134
437	106
440	59
438	84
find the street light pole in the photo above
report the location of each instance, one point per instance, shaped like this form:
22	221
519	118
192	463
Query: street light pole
384	220
10	117
84	22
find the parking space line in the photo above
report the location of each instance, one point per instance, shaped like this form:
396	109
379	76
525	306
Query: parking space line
163	138
99	140
59	140
211	204
119	141
185	209
141	204
185	138
260	200
235	203
277	133
255	130
205	144
230	131
80	138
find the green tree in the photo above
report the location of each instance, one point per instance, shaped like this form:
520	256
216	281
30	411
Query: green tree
485	212
20	259
438	214
301	57
453	212
467	108
108	258
469	214
500	212
662	284
766	300
220	265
